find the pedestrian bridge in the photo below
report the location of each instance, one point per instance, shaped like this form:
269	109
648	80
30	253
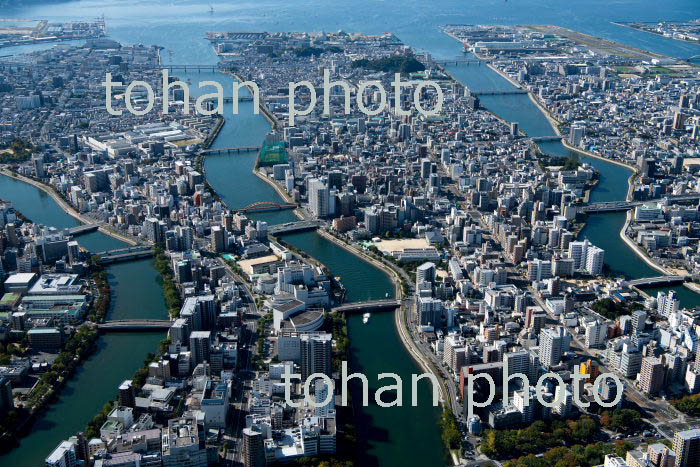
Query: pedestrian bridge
658	280
370	305
120	325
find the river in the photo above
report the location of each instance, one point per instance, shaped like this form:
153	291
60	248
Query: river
135	294
401	436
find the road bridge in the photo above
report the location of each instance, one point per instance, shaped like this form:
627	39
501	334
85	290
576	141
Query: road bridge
121	255
545	139
137	325
370	305
503	92
291	227
461	61
612	206
83	229
658	280
261	206
228	150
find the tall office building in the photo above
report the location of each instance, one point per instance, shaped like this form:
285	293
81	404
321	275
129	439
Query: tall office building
587	257
595	259
316	353
73	252
425	273
6	400
553	343
319	197
218	239
429	310
686	444
596	332
517	362
200	312
535	319
639	319
538	270
666	305
200	346
127	394
576	135
322	392
651	377
253	448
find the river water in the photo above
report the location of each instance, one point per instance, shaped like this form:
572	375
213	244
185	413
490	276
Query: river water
400	436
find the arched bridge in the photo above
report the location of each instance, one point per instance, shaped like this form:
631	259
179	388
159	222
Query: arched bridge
267	206
369	305
119	325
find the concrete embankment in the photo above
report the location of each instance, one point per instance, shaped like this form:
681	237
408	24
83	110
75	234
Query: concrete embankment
637	249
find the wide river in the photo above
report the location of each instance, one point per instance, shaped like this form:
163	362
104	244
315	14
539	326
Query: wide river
393	437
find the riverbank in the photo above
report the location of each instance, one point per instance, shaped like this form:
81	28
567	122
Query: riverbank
67	208
261	102
637	249
401	320
214	133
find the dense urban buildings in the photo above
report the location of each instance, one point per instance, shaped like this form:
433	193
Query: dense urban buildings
497	288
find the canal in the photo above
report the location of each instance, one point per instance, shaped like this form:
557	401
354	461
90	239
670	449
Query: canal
136	293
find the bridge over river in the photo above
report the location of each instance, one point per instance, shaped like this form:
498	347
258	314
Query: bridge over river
121	325
121	255
658	280
612	206
370	305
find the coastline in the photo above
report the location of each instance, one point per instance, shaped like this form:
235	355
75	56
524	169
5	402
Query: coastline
629	26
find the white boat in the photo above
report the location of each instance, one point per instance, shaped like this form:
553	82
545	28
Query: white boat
365	318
